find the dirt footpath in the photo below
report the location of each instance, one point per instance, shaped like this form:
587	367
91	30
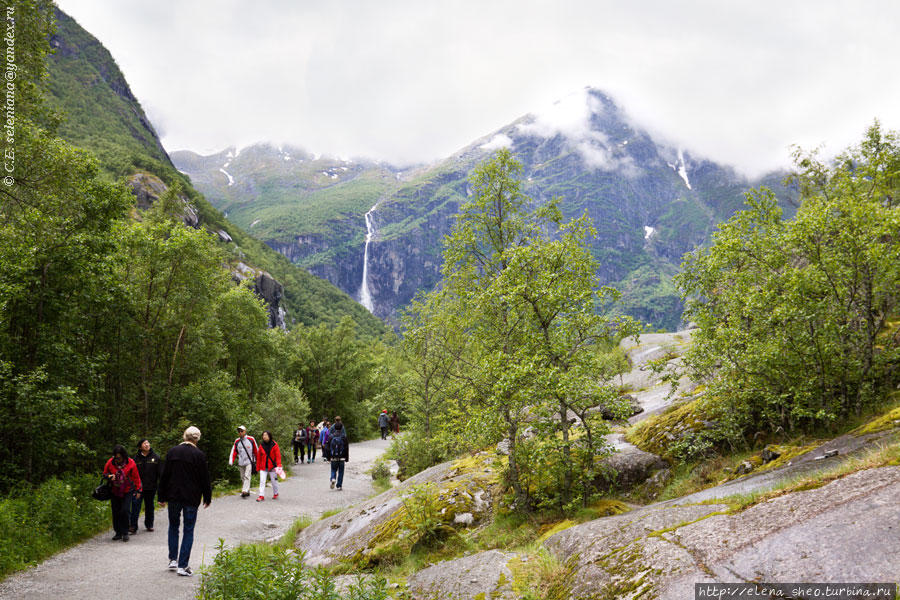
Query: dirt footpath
101	568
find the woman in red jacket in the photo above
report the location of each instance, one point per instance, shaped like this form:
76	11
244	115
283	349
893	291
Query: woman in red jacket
125	481
268	458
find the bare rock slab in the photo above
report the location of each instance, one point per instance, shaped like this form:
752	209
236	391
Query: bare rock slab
481	576
847	530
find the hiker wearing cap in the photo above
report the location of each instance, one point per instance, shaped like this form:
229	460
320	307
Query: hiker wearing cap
383	422
182	485
244	450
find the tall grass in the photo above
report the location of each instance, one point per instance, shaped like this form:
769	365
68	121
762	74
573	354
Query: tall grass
37	522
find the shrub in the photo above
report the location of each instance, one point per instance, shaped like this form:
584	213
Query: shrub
41	521
264	572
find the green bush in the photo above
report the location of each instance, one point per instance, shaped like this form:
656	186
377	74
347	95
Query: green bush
38	522
264	572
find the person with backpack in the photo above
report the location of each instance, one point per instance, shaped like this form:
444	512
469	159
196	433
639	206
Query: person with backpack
299	442
184	482
339	449
383	422
323	438
312	438
244	451
125	482
268	459
149	466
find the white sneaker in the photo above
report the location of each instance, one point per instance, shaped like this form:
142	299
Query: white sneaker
185	572
173	564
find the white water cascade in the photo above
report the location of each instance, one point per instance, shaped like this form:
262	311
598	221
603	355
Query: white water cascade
365	296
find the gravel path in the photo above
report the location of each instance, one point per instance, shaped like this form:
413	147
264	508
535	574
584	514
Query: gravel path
137	570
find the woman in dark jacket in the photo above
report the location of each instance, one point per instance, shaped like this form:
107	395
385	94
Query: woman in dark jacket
149	466
125	482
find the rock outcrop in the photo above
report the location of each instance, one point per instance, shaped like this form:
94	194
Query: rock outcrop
463	490
478	576
148	188
267	288
844	531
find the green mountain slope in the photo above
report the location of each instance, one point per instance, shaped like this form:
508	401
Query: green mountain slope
650	203
103	116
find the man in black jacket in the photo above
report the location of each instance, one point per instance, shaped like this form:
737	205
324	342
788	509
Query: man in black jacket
185	478
149	466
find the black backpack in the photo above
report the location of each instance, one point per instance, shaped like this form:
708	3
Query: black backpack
337	446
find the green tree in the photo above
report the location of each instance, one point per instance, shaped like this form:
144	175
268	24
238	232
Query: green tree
794	315
516	316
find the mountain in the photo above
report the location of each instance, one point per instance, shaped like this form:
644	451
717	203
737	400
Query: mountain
100	114
650	202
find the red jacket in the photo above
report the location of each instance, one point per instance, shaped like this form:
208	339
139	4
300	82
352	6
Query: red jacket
125	479
268	463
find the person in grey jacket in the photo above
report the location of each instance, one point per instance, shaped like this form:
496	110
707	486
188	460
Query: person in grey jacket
383	421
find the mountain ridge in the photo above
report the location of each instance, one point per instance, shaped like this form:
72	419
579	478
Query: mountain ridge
650	202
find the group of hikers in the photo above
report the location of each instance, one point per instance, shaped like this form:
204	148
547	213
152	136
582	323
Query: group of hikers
388	424
182	480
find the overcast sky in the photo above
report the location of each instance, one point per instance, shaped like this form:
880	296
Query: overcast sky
415	80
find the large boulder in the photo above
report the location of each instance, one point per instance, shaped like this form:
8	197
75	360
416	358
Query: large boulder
475	577
462	491
662	550
629	466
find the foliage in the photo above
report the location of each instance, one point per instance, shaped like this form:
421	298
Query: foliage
39	521
264	572
793	314
512	339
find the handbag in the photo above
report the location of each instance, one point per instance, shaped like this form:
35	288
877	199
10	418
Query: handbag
102	492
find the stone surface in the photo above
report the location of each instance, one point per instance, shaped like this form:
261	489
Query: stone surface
628	466
463	487
148	188
476	577
847	530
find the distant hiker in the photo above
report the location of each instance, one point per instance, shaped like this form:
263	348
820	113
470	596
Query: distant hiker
339	449
323	439
149	466
126	483
268	458
299	442
244	450
395	423
312	438
383	422
184	480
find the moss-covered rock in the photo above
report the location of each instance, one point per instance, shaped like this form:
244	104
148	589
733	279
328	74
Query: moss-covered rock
658	434
481	576
437	501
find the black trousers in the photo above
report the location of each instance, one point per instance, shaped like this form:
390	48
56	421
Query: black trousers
121	512
298	447
146	499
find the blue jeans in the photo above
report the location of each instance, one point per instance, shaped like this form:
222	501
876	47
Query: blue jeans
337	469
187	540
311	452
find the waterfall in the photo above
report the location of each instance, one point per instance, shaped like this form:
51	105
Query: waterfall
365	296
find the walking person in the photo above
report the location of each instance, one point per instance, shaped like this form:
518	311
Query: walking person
244	451
299	442
125	482
383	421
312	438
183	483
149	466
268	459
339	449
394	423
323	439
